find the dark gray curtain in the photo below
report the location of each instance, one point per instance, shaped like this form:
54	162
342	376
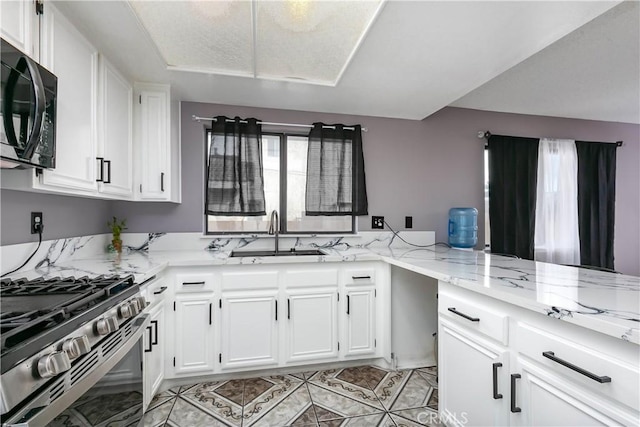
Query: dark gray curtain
596	202
335	171
513	168
235	184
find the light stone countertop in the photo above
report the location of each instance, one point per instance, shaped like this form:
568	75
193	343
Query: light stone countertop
604	302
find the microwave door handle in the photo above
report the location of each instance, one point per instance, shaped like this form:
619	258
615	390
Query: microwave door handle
40	101
7	115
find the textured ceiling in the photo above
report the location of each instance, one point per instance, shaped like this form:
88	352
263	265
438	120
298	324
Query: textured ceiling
416	58
593	73
300	40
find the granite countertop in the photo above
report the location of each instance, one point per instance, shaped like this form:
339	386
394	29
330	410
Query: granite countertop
604	302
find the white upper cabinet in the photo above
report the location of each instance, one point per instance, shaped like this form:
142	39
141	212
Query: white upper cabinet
18	20
153	142
115	146
74	61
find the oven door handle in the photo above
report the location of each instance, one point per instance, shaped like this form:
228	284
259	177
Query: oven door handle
41	412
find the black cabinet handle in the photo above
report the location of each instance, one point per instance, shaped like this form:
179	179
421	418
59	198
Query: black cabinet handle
288	308
162	181
150	342
514	408
193	283
276	310
360	277
155	333
496	395
108	163
101	169
162	289
600	379
454	311
210	313
348	304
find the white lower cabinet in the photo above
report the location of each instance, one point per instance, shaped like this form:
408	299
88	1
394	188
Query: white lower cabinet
312	324
547	372
249	331
360	321
194	333
469	390
237	318
154	350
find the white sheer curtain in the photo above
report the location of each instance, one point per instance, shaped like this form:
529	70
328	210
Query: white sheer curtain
556	229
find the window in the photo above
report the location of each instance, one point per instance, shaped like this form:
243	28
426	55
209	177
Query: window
284	158
487	228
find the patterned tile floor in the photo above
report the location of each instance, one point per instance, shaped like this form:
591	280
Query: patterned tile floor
363	396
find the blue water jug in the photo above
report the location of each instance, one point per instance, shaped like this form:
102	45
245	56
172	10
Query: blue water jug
463	227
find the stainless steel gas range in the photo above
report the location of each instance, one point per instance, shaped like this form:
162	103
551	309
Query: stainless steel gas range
71	351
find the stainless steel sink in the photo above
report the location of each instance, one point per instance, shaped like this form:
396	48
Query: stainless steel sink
292	252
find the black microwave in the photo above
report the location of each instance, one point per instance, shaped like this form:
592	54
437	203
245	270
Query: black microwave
27	111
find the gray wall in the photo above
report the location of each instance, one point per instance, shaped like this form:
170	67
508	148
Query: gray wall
417	168
64	216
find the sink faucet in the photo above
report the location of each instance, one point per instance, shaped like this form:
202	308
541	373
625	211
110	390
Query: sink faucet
274	226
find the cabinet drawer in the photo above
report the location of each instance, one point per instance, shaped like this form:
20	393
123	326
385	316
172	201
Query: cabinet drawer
583	365
359	276
311	277
155	290
197	282
249	280
475	316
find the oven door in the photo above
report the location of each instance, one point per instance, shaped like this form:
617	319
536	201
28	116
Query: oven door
105	387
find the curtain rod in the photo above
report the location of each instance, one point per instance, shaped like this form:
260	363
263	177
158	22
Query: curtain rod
486	134
297	125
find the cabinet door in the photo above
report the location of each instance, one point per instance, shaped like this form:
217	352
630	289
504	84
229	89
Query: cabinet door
194	333
466	364
17	24
548	399
154	353
249	333
153	138
75	62
312	327
115	132
359	326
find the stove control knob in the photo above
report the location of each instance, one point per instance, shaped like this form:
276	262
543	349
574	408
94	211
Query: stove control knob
53	364
126	310
76	347
107	325
135	307
142	303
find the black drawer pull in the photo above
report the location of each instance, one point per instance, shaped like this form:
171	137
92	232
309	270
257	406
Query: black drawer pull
288	309
193	283
514	408
496	395
150	341
348	304
155	333
454	311
108	163
276	310
210	313
552	356
360	277
101	169
162	289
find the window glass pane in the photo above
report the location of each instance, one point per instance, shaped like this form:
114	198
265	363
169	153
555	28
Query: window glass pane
297	221
271	173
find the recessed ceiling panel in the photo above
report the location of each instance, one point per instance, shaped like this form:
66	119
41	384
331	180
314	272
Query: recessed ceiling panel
213	36
306	40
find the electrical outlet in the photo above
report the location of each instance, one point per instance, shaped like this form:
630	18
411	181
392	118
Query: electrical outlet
36	222
408	222
377	222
